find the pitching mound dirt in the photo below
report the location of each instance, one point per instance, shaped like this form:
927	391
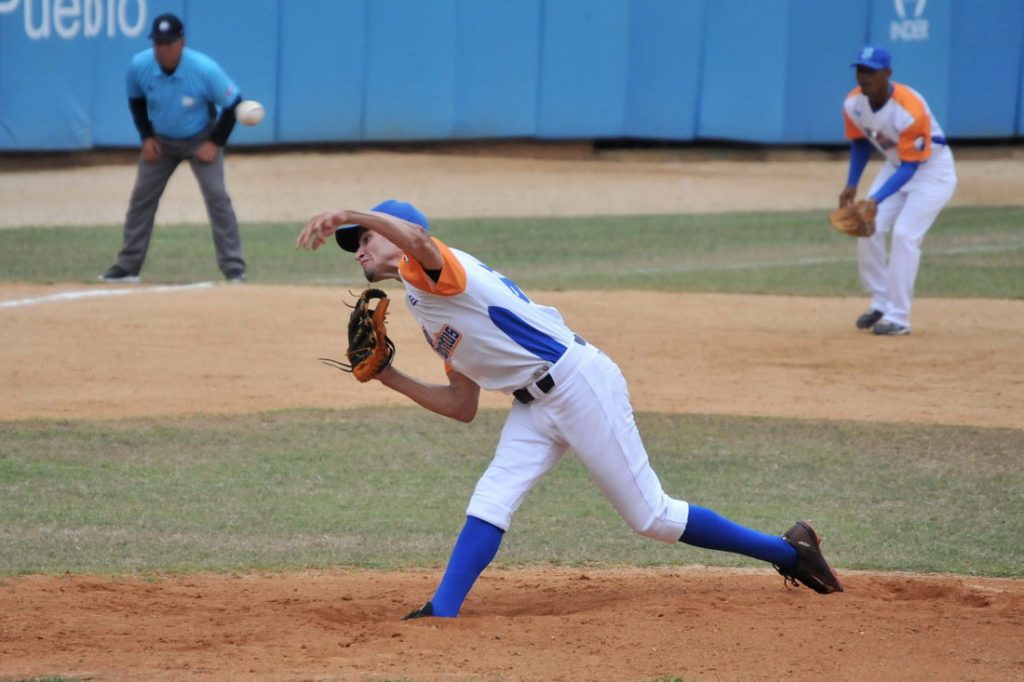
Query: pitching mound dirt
535	624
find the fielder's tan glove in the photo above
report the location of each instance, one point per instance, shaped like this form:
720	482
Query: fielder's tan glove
856	219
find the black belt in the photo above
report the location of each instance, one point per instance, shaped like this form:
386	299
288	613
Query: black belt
544	384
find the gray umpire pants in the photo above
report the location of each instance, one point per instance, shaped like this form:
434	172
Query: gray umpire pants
150	182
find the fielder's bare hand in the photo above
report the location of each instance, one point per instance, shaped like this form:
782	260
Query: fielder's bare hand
847	196
319	229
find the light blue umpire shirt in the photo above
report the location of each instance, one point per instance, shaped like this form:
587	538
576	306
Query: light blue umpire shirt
180	105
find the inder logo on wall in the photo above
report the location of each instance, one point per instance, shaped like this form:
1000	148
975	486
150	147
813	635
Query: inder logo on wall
911	24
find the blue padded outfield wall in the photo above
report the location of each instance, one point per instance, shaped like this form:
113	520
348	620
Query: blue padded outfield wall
351	71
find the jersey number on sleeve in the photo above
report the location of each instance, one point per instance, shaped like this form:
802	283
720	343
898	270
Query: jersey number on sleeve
513	287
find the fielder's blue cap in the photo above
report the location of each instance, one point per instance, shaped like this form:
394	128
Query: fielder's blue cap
347	236
874	57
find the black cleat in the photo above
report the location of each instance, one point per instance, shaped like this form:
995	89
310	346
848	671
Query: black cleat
811	568
425	611
869	319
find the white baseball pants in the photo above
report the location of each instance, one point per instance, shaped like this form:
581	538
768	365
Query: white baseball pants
907	215
588	410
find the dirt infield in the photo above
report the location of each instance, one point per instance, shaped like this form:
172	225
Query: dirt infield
295	185
255	347
773	356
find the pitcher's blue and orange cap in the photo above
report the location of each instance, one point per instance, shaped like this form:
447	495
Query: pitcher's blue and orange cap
347	236
874	57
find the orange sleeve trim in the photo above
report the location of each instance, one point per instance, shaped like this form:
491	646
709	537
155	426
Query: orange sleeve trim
453	275
851	129
915	143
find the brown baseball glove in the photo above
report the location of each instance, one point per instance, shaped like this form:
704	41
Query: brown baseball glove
856	219
370	350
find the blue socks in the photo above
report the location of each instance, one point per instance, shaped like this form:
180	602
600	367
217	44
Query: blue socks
710	530
479	541
477	544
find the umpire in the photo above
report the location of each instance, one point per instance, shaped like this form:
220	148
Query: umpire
174	95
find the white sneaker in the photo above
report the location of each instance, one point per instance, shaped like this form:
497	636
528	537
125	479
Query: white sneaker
890	329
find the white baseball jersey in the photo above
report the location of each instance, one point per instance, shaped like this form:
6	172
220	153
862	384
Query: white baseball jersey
486	328
902	130
482	324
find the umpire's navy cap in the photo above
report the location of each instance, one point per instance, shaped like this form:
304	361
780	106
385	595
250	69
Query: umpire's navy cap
874	57
167	28
347	236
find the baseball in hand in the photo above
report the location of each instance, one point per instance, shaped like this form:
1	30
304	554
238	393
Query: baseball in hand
250	112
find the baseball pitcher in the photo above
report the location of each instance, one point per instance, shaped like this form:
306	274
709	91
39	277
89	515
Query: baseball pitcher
566	393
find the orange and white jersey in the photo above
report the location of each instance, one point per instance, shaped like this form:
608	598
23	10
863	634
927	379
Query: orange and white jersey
482	324
903	130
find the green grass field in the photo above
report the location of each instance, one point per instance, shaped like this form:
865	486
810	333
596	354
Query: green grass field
295	489
970	252
290	490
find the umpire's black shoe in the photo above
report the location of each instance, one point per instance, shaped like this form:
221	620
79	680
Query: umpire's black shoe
115	273
425	611
869	319
811	568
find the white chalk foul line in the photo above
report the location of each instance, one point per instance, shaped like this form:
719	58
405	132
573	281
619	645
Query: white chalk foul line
101	293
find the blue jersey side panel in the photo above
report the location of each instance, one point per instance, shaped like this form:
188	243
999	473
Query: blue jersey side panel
530	338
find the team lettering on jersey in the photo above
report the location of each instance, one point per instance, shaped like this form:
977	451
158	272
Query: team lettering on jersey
445	341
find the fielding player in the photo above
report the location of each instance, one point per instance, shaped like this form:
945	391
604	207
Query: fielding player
566	394
915	182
